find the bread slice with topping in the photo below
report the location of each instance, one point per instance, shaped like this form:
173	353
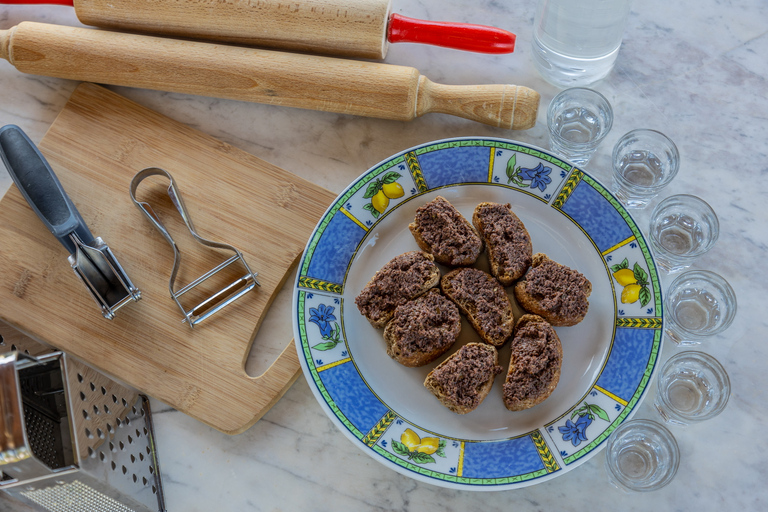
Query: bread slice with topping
403	278
484	302
534	367
422	329
462	381
441	230
507	241
553	291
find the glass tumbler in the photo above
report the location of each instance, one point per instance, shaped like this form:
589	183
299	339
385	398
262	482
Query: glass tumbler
699	304
641	455
644	162
578	120
691	387
683	227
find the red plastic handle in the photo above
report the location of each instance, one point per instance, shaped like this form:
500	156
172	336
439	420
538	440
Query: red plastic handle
459	36
70	3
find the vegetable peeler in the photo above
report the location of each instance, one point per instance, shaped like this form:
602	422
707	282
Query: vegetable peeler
90	258
224	297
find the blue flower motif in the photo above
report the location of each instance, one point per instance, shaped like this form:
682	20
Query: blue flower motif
319	362
576	432
498	152
563	174
539	176
593	393
369	223
384	444
321	316
617	407
452	470
608	258
344	354
402	167
633	245
413	191
563	453
649	311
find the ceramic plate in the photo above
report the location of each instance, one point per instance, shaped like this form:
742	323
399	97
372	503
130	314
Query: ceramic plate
383	407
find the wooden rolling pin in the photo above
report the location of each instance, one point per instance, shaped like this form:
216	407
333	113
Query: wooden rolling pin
348	28
369	89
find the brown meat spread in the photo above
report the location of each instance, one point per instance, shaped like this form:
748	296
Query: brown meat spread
558	289
447	233
460	378
536	360
506	234
428	323
399	281
486	296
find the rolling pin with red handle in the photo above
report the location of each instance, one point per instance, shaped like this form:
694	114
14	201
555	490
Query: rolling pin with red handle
370	89
348	28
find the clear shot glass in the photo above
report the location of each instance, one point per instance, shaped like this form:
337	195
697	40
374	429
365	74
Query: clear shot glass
699	304
683	227
641	455
578	120
692	386
644	162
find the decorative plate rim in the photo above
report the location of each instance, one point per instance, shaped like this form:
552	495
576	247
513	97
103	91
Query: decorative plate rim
540	445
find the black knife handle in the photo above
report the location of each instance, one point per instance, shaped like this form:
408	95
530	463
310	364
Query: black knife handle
40	187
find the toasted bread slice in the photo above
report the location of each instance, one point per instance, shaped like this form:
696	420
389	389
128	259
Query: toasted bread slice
403	278
441	230
462	381
484	302
553	291
422	329
534	368
507	241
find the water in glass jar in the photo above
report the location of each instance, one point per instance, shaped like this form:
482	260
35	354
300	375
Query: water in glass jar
575	43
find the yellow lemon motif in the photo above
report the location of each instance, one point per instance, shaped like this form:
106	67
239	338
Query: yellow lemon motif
393	190
429	445
631	293
410	439
625	277
380	201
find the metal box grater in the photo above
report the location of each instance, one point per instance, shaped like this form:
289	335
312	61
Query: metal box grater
71	438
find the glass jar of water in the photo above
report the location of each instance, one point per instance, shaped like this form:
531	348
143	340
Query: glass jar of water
576	42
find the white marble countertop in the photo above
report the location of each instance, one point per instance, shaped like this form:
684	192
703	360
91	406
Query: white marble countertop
695	70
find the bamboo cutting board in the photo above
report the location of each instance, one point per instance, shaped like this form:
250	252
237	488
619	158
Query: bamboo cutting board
96	145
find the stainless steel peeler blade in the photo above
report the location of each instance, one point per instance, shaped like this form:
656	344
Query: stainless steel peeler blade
90	258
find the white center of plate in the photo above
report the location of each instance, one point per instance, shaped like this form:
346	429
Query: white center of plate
585	346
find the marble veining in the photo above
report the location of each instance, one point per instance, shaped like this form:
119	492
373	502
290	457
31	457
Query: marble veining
695	70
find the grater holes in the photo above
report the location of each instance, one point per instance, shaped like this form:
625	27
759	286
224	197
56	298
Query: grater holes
86	415
92	386
91	453
119	422
125	470
141	456
125	402
135	478
122	446
100	433
79	377
114	399
2	341
144	480
133	458
106	408
112	447
113	465
88	433
82	396
110	429
96	409
154	490
103	391
138	433
130	440
151	470
102	457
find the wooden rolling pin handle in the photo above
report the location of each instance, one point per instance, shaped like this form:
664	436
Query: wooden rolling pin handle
505	106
